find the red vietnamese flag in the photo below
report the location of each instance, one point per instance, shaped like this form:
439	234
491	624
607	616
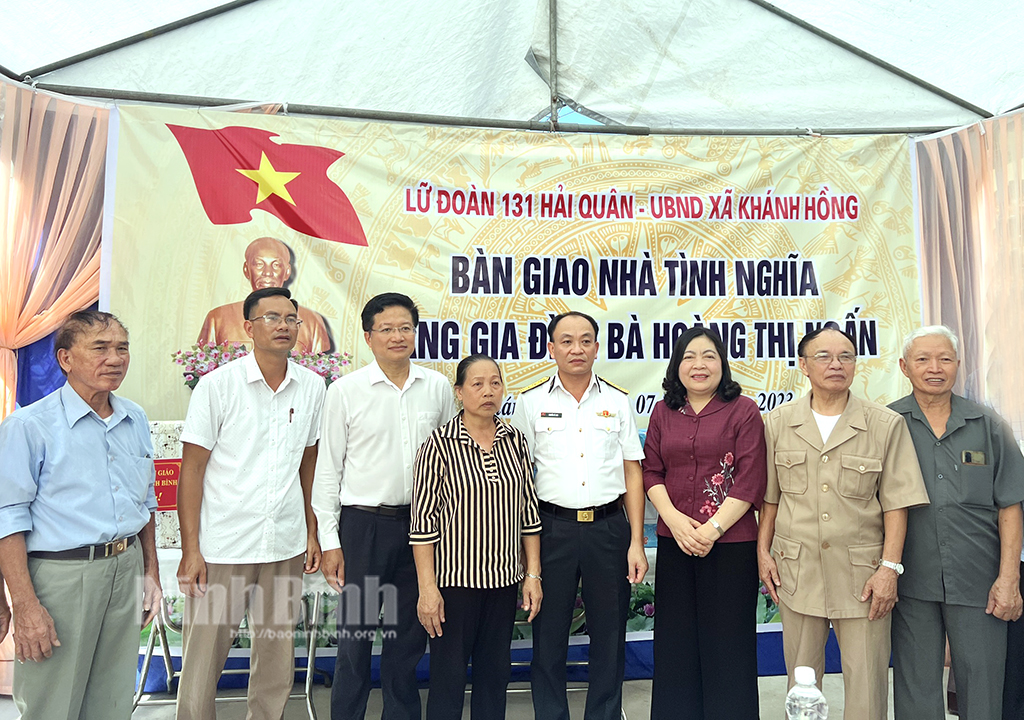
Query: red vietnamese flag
239	169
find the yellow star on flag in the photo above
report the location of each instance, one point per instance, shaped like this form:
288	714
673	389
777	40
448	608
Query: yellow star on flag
270	181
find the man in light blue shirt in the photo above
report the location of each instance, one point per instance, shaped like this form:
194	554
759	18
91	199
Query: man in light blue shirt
77	531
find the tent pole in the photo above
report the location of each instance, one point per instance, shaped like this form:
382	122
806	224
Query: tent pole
864	55
130	96
553	61
139	37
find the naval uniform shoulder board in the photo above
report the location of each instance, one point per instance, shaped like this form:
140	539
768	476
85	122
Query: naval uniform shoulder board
535	385
624	391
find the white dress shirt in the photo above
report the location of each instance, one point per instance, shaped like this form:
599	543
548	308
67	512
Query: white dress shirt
371	431
252	509
578	447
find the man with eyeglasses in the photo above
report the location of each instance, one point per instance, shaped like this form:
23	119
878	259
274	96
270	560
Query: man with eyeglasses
247	527
842	472
374	421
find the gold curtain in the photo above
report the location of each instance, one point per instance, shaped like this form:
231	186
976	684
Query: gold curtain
52	155
972	254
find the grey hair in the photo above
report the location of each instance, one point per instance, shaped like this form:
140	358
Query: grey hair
927	331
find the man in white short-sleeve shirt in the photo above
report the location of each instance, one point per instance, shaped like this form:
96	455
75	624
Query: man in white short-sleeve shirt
374	421
249	451
587	455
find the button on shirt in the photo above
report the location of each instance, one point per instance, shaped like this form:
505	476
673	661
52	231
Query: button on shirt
252	509
578	447
475	504
371	431
951	553
829	532
69	479
702	458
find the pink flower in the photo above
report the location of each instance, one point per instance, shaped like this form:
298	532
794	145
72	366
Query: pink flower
717	479
708	508
728	458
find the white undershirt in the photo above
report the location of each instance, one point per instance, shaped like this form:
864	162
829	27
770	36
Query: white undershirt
826	424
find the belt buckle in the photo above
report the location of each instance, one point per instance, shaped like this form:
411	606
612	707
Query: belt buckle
115	547
584	516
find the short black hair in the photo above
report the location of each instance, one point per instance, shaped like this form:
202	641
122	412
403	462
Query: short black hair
466	362
77	324
379	303
675	392
809	337
572	313
256	295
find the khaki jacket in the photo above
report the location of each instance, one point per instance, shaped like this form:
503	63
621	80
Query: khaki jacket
831	497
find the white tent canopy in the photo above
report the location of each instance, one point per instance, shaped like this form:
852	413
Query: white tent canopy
697	64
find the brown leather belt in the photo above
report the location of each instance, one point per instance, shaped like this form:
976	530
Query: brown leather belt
589	514
89	552
395	511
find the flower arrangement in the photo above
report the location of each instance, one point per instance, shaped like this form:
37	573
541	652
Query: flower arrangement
207	357
641	608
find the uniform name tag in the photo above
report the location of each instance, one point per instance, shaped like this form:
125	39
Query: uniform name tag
972	457
551	415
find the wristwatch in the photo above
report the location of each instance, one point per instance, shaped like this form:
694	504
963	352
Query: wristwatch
898	567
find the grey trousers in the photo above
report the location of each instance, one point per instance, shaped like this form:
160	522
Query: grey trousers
96	608
977	644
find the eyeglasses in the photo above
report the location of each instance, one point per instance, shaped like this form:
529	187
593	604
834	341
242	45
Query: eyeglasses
824	358
389	331
273	319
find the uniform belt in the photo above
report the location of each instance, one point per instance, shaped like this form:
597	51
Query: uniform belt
589	514
89	552
395	511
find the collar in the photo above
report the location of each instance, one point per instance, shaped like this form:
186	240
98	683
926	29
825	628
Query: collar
377	375
714	405
851	421
960	411
254	374
456	430
556	382
76	408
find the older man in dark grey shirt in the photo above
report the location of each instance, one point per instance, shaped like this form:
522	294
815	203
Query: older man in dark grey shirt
962	552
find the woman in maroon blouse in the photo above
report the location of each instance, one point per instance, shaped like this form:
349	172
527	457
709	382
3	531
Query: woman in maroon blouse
705	473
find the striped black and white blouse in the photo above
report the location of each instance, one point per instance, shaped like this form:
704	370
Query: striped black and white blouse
475	505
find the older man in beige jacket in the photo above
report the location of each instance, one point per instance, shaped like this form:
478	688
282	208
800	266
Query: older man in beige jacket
842	472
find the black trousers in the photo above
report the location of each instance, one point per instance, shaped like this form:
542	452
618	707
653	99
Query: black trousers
478	625
379	571
1013	685
705	633
596	552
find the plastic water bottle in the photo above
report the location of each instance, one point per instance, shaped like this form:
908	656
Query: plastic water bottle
805	701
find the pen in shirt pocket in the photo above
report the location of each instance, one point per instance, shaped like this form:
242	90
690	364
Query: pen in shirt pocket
291	411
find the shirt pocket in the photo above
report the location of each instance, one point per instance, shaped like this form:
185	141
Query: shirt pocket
426	422
549	435
864	562
787	554
791	469
606	435
858	479
298	431
145	473
977	486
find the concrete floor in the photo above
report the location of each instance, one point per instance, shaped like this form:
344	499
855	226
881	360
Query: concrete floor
636	703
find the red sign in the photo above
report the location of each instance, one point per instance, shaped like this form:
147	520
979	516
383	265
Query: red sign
167	472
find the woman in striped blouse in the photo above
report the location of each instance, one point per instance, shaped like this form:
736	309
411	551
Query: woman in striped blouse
474	518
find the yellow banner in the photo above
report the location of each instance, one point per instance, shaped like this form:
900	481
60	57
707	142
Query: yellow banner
491	232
